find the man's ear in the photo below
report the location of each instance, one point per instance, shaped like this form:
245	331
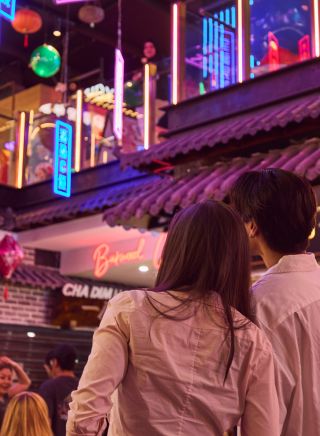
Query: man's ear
252	228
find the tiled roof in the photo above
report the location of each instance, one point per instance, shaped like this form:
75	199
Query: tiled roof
47	278
79	205
234	128
168	193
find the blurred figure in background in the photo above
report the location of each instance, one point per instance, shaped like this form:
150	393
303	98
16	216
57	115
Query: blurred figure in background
26	415
59	364
7	388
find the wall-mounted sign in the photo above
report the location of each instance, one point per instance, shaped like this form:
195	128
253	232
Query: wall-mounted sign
8	9
103	259
118	95
62	159
95	292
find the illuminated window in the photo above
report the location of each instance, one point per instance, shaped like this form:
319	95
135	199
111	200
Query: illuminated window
280	34
210	46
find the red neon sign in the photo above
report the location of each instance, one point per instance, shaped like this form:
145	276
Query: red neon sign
103	260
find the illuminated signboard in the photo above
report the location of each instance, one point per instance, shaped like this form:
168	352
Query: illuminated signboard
118	95
8	8
79	290
219	49
103	260
62	159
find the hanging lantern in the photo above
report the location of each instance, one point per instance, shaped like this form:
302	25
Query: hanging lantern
26	22
11	255
45	61
91	14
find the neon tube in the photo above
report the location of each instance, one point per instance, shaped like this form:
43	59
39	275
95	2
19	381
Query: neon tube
205	47
316	28
146	123
92	149
175	37
21	149
77	156
240	40
118	96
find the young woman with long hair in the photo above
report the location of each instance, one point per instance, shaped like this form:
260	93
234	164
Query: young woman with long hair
183	358
26	415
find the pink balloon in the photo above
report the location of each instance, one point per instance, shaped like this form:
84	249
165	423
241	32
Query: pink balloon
11	255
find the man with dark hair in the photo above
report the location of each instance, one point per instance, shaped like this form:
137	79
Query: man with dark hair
279	212
59	364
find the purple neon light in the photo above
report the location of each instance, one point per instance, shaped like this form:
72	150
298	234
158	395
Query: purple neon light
65	2
118	95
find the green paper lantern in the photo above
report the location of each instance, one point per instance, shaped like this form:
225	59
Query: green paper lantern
45	61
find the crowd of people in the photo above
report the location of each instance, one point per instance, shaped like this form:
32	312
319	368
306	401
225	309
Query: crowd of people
44	413
203	352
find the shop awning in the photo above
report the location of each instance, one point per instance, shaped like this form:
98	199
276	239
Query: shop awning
49	278
225	130
163	196
91	202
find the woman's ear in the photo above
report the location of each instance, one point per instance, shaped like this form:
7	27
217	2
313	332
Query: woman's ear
252	228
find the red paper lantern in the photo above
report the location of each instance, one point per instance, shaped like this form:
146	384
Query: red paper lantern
27	21
11	256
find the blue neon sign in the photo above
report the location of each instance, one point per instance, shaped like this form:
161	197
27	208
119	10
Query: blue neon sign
219	49
62	159
8	8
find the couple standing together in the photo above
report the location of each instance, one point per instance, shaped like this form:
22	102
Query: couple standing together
202	352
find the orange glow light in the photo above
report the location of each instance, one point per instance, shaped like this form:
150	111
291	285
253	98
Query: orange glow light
21	150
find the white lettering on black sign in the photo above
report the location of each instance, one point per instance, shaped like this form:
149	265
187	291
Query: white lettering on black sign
78	290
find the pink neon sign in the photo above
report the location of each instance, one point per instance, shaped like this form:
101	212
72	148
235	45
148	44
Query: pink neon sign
64	2
103	259
118	95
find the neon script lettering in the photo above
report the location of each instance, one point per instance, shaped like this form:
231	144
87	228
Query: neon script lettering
103	261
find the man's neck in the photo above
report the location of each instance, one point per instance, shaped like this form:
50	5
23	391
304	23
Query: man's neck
269	257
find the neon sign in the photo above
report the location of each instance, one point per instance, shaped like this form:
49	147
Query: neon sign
219	49
118	95
8	8
103	260
65	2
62	159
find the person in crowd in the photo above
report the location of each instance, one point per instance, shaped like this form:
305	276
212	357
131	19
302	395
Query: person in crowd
7	388
59	364
26	415
183	358
279	212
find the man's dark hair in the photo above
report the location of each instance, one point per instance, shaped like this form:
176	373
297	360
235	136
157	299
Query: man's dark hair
282	205
66	357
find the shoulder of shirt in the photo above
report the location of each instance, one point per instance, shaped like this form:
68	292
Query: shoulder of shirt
48	384
128	300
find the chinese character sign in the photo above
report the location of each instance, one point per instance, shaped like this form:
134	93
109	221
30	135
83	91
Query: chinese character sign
8	8
62	159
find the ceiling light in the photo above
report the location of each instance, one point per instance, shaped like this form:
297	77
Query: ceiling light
57	33
143	268
31	334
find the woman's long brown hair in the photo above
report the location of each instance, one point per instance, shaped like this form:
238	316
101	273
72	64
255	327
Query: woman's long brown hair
207	251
